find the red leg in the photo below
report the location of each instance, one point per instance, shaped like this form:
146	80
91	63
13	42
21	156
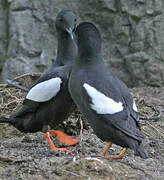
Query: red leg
120	156
47	134
64	138
108	145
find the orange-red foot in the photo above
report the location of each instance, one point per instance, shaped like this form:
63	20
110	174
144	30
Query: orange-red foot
120	156
64	138
47	135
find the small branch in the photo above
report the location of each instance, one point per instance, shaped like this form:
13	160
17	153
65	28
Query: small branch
158	130
81	129
155	117
17	85
81	134
11	160
27	74
72	173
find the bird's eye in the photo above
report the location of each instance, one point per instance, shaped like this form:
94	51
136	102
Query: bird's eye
75	20
61	20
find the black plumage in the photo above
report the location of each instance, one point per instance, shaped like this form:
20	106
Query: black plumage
102	98
46	114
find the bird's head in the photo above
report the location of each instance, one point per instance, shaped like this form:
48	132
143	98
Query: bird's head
88	39
66	21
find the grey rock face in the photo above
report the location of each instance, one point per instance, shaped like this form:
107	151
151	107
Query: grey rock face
132	33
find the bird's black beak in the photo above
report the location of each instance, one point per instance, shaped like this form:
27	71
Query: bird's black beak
70	31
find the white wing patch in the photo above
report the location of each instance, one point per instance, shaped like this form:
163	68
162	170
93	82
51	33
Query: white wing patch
44	91
134	106
101	103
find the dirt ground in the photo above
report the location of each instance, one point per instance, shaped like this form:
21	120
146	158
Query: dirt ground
28	156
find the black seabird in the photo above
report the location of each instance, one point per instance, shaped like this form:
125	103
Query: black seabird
102	98
48	102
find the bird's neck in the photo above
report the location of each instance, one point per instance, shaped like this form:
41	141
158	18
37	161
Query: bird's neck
89	59
66	50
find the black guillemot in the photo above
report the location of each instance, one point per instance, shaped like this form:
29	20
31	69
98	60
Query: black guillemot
103	99
48	101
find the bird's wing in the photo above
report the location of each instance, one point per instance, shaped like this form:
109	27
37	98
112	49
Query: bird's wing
48	85
125	123
113	110
129	101
45	90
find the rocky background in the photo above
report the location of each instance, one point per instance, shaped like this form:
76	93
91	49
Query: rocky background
132	32
133	46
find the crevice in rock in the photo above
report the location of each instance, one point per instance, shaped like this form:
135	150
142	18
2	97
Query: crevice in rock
23	9
7	7
118	6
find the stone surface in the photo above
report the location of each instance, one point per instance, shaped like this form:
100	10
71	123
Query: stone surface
132	33
28	156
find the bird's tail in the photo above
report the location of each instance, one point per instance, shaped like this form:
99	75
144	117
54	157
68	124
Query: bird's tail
142	152
5	120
